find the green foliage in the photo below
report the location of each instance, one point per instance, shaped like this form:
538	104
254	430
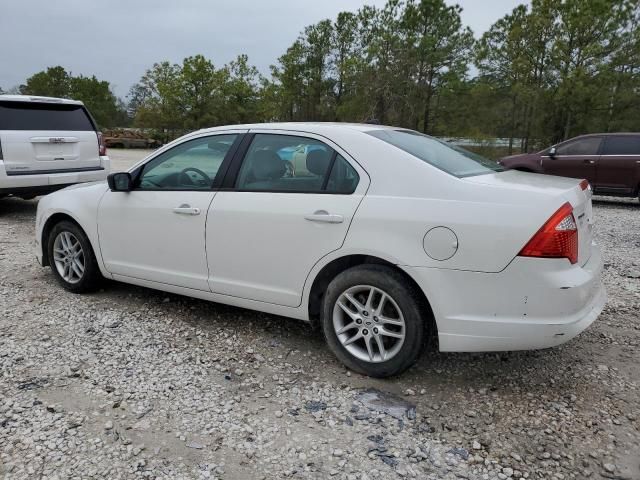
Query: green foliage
566	67
545	72
107	110
175	98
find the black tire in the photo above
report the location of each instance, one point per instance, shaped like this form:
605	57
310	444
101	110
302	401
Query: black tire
405	297
91	277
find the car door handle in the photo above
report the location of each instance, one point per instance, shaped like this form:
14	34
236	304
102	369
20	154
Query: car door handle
591	162
323	216
185	209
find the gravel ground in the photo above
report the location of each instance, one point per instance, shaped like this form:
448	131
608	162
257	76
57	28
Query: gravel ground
131	382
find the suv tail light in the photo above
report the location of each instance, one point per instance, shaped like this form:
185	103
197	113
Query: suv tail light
102	147
558	238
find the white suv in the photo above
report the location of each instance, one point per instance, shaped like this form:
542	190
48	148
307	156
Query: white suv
47	144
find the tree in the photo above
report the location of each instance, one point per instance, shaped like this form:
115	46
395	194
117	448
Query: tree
96	94
175	98
101	102
241	91
53	82
513	57
439	47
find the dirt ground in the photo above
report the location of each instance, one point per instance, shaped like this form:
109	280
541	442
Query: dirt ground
131	383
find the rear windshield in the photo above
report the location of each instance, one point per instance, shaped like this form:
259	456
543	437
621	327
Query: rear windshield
43	116
449	158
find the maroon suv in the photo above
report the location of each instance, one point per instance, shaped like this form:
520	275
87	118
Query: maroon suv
610	161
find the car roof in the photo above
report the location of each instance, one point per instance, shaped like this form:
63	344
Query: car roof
38	99
310	127
608	134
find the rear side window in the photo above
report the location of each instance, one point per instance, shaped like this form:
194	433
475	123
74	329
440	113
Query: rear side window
582	146
449	158
343	178
287	163
44	116
622	145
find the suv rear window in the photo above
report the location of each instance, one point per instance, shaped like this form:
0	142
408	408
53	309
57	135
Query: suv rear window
622	145
44	116
446	157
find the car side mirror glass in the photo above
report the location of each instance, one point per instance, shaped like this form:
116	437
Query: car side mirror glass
552	152
120	182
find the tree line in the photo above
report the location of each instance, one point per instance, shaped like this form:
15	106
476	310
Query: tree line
542	73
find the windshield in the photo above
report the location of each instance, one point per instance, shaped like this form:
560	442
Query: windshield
449	158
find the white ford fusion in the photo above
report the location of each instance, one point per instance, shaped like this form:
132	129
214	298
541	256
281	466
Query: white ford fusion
383	237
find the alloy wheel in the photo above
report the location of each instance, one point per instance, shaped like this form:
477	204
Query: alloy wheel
68	257
369	323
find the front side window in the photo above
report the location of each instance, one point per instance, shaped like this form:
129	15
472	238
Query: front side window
288	163
582	146
622	145
192	165
446	157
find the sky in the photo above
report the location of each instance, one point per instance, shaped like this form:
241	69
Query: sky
118	40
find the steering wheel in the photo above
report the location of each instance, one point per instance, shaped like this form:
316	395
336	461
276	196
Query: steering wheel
205	177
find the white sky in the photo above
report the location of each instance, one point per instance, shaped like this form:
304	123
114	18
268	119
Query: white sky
117	40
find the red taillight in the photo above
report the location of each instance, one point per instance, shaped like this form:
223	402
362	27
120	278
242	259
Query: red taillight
102	148
584	184
558	238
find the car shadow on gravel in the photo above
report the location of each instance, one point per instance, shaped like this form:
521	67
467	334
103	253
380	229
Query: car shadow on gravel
11	206
616	202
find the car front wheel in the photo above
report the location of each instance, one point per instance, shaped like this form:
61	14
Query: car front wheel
372	320
71	257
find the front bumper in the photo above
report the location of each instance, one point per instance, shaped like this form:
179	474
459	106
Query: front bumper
533	303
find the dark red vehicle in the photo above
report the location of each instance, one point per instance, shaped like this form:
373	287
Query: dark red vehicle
610	161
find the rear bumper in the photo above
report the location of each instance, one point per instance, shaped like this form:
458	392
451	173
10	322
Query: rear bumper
534	303
41	184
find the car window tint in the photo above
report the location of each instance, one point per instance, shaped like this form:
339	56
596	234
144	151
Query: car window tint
282	163
622	145
343	178
192	165
449	158
582	146
44	116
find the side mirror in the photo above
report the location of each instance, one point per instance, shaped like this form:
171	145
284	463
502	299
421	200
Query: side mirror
120	182
552	152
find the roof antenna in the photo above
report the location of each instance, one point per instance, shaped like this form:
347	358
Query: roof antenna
373	121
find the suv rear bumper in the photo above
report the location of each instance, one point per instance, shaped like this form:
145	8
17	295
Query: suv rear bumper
43	183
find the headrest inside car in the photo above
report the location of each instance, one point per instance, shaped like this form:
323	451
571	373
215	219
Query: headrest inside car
318	162
267	165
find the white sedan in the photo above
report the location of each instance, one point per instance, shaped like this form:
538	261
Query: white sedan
383	237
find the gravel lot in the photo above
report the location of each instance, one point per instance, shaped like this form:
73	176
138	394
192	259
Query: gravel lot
131	382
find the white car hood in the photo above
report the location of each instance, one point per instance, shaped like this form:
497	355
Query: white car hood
84	185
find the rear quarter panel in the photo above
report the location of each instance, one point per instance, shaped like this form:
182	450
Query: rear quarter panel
490	234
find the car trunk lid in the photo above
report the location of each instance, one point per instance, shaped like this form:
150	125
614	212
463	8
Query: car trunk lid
564	189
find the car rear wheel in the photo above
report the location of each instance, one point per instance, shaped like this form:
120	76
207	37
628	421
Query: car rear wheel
372	320
72	260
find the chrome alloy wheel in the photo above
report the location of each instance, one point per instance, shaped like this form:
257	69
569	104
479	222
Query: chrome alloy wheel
369	323
68	257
